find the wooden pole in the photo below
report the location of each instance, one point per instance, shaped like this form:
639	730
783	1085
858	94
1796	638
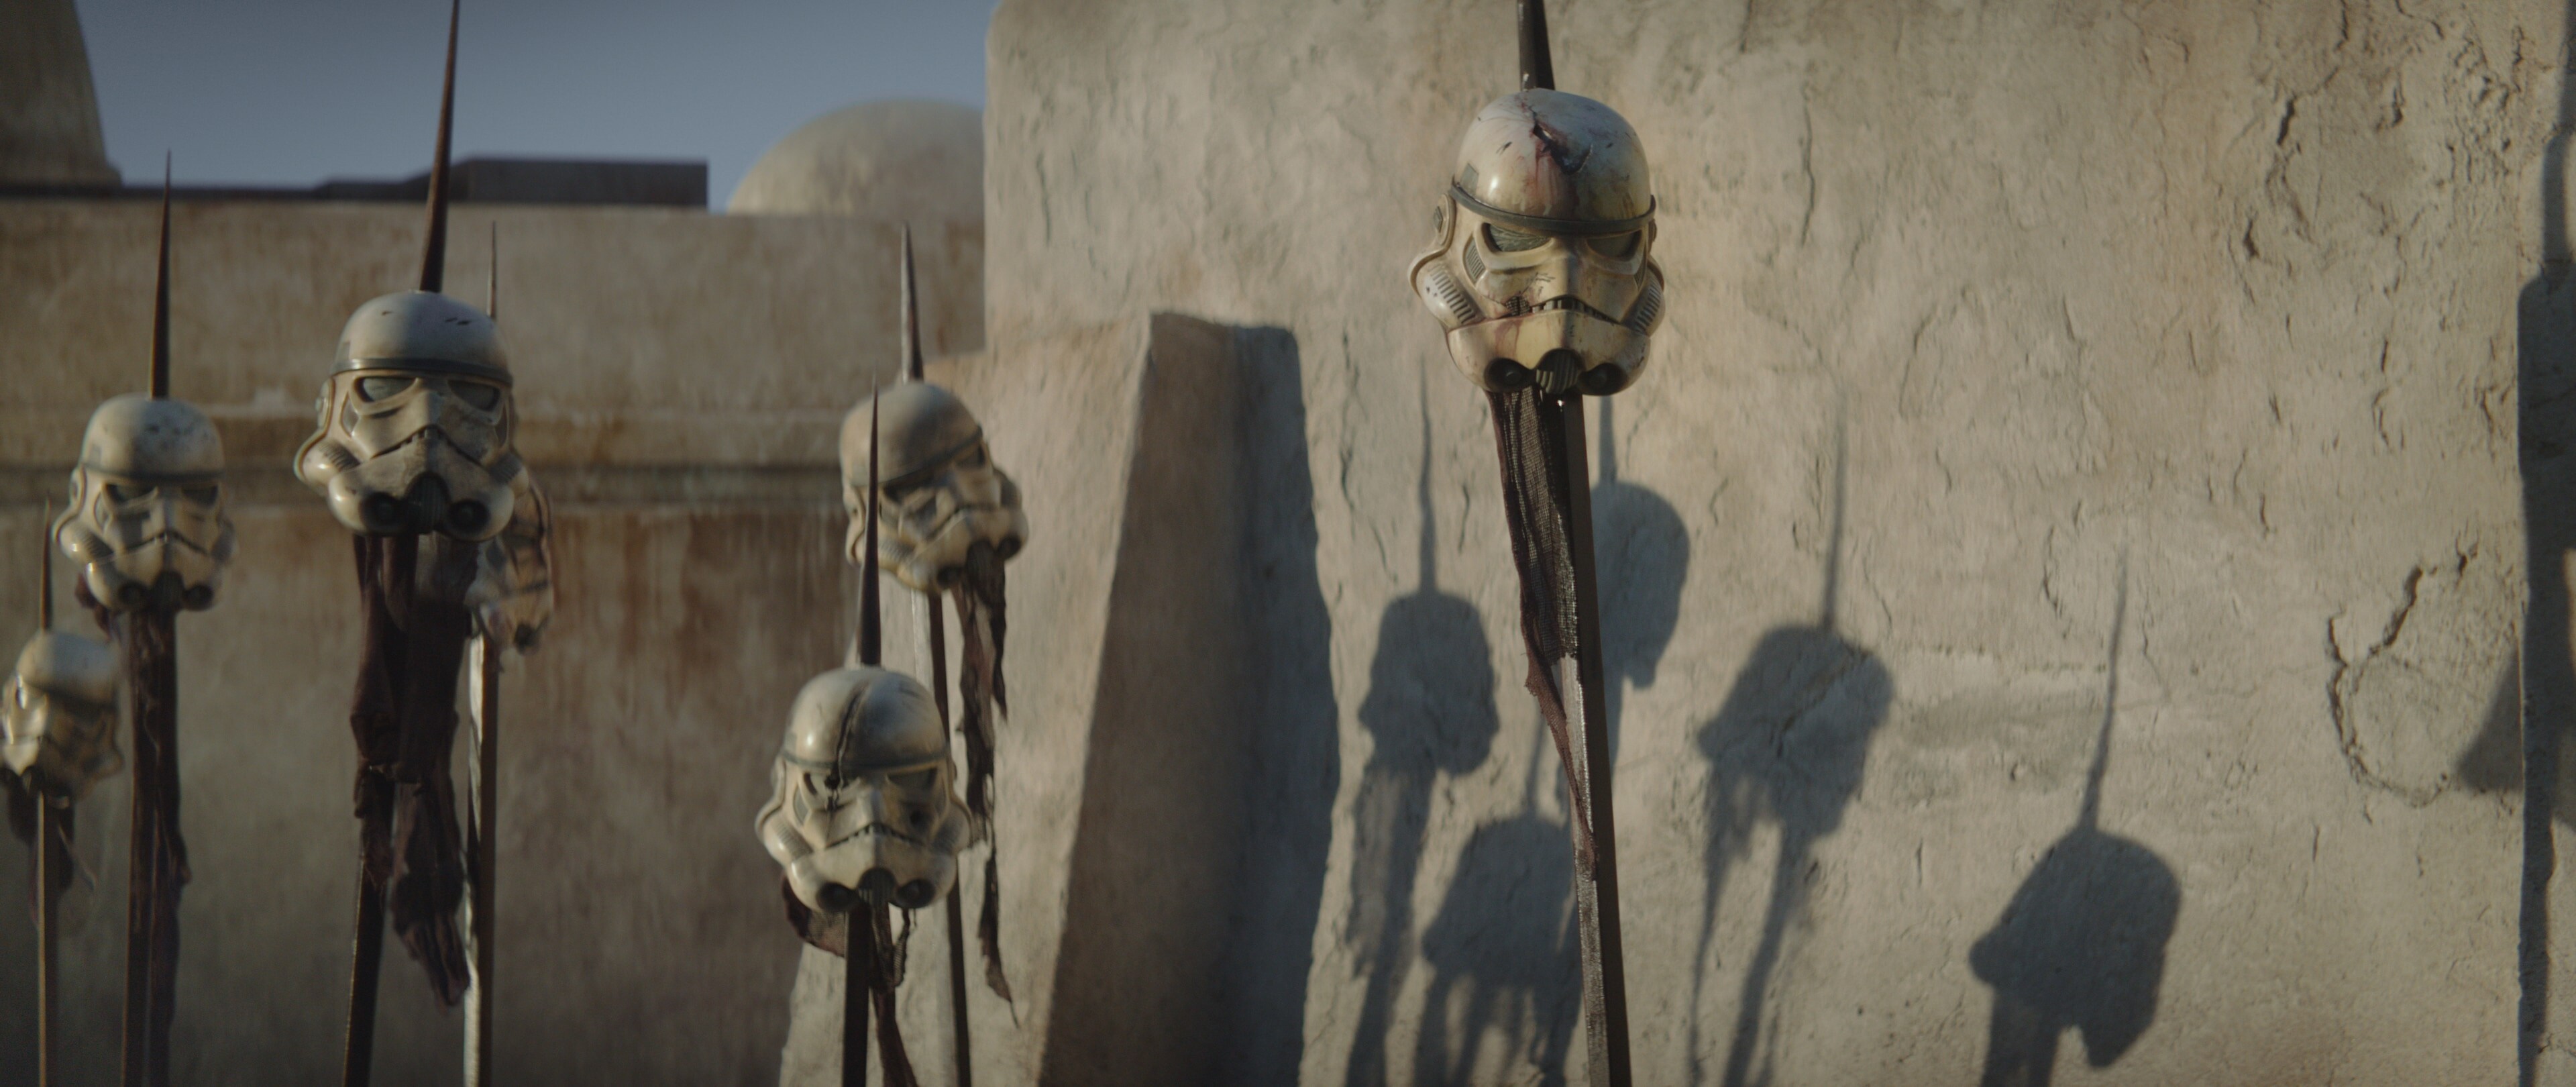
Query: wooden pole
856	966
51	863
357	1057
483	843
960	1035
150	646
1605	981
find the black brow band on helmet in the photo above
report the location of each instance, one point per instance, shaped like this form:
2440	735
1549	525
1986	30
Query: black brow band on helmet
456	367
933	464
1581	227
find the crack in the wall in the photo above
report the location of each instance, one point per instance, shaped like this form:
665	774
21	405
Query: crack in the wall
2346	678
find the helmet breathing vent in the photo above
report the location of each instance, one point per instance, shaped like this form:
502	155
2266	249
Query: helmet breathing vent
1649	308
1445	293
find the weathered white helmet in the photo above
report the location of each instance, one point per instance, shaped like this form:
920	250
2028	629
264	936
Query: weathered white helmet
147	520
415	422
58	715
1543	271
862	805
941	493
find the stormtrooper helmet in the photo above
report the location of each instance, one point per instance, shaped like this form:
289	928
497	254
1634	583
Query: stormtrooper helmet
863	807
415	422
146	519
58	715
1543	272
513	592
940	494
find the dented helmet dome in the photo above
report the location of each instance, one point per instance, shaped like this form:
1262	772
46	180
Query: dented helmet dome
850	721
920	425
151	439
423	331
1556	162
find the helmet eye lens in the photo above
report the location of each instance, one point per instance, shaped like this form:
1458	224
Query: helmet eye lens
372	389
1618	246
483	397
1507	240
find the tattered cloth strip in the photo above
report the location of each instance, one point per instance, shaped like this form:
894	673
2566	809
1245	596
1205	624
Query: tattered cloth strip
1535	509
985	618
160	862
404	719
831	932
22	807
984	614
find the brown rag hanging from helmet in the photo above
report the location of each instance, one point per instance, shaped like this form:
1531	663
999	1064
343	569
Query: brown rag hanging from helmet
1534	507
984	619
885	972
160	861
404	719
831	933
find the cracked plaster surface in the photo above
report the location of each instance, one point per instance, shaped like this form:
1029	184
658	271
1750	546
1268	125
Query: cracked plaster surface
2228	288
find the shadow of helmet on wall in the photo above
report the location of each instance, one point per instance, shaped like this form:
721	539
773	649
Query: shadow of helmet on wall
1429	711
1789	745
2081	946
1503	947
1642	554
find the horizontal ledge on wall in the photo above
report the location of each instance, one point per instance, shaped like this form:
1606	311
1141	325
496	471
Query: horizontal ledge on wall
260	437
568	487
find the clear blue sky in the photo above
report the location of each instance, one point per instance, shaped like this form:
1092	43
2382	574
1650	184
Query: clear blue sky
293	92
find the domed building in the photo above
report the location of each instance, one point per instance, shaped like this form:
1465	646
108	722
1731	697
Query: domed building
891	160
899	162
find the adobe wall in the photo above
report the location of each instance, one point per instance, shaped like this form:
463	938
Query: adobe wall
2050	394
681	379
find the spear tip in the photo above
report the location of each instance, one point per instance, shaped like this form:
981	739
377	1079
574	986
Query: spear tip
433	265
912	366
45	573
1538	71
160	379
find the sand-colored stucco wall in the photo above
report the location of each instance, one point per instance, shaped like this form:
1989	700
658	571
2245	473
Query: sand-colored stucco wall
2042	382
681	379
2046	387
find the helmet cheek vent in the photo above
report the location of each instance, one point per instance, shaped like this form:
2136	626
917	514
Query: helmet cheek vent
1649	310
1444	291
